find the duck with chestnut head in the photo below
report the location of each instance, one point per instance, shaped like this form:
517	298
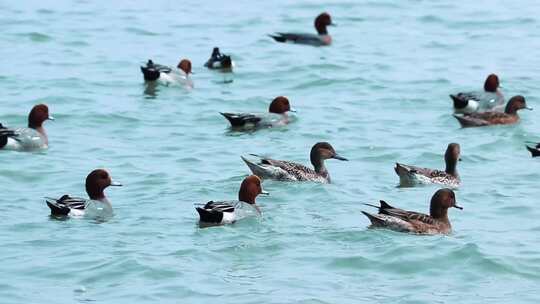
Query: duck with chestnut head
228	212
489	99
411	175
167	75
34	137
322	38
278	115
436	222
96	206
508	117
289	171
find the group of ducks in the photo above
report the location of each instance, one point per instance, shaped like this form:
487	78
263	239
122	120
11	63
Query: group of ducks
473	109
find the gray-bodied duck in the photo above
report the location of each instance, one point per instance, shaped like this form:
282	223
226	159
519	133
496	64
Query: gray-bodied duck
228	212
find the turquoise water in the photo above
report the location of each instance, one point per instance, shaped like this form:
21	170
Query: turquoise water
379	94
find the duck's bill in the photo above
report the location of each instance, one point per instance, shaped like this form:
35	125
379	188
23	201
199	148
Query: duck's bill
50	118
459	207
529	108
339	157
459	159
292	110
332	24
116	184
265	192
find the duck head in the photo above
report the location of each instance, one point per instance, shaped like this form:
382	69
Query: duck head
38	115
280	105
321	22
492	83
451	157
321	151
185	65
515	104
96	182
250	188
441	201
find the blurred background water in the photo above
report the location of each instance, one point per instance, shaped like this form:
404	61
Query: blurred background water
379	94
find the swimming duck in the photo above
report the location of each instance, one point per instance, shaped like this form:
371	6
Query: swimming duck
413	222
509	116
289	171
97	206
167	75
228	212
321	39
535	151
219	61
491	99
26	139
276	116
411	175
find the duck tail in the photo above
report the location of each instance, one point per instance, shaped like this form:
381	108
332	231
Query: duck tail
150	73
534	152
374	219
209	216
278	37
401	170
459	103
57	209
235	119
466	121
257	169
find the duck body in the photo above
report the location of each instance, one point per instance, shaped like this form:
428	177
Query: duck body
282	170
249	121
78	207
322	38
289	171
400	220
277	116
225	212
471	102
509	116
486	119
412	175
303	38
490	99
24	139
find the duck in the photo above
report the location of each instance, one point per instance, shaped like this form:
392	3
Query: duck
276	116
412	175
96	206
491	99
400	220
228	212
32	138
219	61
167	75
508	117
288	171
535	151
322	38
